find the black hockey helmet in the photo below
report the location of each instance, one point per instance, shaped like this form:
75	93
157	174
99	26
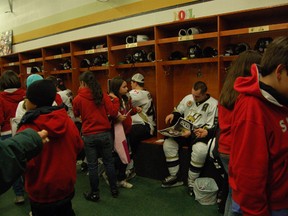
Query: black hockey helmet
65	65
35	69
176	55
262	44
99	60
129	59
151	56
194	51
140	56
241	47
209	52
85	63
230	50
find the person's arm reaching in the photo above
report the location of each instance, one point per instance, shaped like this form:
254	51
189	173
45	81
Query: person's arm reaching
15	152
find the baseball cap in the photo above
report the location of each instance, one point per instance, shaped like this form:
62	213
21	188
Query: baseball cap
32	78
138	78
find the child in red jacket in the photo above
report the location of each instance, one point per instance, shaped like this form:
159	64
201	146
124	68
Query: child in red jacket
95	108
50	177
118	87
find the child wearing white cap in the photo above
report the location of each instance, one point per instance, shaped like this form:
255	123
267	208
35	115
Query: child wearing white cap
143	123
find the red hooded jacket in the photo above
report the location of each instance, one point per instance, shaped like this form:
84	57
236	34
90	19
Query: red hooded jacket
94	118
8	105
258	169
51	175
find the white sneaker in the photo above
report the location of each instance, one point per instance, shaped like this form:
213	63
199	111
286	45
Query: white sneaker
125	184
19	200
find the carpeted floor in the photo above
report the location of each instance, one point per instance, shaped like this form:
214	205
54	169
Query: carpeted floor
146	198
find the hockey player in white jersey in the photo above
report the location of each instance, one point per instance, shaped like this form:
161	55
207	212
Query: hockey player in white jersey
200	109
143	123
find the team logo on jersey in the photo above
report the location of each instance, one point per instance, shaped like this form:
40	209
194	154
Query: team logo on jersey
189	103
205	106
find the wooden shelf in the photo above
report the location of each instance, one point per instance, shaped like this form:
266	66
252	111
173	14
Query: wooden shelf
31	61
202	36
190	61
133	45
91	51
58	56
135	65
11	64
60	72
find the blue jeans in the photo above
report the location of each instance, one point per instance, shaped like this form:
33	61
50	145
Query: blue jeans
96	146
228	205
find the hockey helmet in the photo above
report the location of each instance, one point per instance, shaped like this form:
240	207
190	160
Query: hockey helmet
99	60
241	47
66	65
35	69
151	56
176	55
129	59
193	30
140	56
230	50
194	51
85	63
209	52
262	44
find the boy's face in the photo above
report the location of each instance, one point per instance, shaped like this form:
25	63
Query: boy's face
29	105
133	84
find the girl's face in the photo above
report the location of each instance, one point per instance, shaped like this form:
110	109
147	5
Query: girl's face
123	90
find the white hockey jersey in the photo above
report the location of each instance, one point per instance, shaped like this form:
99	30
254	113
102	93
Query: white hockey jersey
67	98
143	99
200	114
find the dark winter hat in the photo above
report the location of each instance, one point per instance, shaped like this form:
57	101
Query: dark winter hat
41	93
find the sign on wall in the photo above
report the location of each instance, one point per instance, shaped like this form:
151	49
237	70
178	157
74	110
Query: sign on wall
6	43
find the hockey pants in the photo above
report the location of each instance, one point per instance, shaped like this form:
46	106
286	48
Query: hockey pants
197	161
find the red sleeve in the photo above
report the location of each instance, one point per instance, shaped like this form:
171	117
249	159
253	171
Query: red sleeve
111	107
75	107
58	99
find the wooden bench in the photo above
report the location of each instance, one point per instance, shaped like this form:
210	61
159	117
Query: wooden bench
150	160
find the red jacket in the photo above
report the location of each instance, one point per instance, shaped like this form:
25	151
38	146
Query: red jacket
51	175
258	170
225	139
8	105
94	118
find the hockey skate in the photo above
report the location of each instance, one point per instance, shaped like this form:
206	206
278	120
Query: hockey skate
171	181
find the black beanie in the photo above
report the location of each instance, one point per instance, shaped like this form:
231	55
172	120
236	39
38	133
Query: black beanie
41	93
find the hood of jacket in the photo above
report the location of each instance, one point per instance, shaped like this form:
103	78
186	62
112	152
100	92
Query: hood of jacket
13	96
85	93
53	119
252	86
